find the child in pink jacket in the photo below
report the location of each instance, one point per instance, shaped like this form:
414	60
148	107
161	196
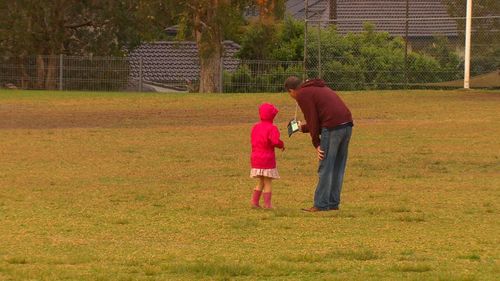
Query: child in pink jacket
265	137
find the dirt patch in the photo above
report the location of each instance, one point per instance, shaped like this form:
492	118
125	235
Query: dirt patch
22	117
493	96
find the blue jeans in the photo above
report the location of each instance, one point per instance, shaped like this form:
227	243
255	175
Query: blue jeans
335	144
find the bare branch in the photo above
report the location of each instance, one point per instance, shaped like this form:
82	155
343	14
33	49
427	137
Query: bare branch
204	24
78	25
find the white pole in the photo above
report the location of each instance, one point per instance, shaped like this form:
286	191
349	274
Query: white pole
304	67
468	25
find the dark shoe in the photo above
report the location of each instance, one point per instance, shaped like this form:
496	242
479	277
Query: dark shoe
312	210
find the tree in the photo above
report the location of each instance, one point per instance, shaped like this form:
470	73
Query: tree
70	27
270	10
210	21
91	27
283	41
259	41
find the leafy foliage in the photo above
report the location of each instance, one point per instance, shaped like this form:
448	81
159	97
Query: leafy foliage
282	41
366	60
81	27
256	78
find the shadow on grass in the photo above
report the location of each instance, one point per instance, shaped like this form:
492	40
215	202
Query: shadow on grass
299	213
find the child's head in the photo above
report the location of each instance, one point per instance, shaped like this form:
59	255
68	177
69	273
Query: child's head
267	112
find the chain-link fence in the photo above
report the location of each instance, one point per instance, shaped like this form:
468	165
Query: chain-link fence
401	53
139	74
351	54
66	73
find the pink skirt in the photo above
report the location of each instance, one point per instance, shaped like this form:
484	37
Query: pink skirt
270	173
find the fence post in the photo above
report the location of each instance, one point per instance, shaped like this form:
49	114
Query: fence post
60	72
304	75
468	25
140	74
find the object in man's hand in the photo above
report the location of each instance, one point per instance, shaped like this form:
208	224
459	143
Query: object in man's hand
293	127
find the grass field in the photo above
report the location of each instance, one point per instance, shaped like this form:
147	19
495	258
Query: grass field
125	186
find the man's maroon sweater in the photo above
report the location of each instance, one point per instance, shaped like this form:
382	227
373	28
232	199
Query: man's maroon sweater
322	108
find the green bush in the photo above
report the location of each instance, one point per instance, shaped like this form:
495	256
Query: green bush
255	77
366	60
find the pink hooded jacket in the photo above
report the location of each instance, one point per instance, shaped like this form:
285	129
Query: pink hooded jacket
265	137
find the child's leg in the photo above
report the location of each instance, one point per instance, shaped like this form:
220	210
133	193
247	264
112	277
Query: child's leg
267	184
257	192
267	192
260	184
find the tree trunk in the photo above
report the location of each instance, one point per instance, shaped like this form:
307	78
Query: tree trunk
210	72
208	40
40	72
50	79
25	79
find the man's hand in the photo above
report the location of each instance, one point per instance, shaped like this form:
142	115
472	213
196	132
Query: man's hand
300	126
321	153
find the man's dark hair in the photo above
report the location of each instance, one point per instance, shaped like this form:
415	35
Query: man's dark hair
292	82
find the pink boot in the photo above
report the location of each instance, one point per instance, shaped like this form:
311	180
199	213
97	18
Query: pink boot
267	200
255	198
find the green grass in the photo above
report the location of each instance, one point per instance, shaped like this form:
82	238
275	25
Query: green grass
128	186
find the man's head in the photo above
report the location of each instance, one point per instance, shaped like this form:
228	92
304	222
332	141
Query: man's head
292	83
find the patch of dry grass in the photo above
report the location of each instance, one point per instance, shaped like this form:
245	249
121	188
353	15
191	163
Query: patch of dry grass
122	186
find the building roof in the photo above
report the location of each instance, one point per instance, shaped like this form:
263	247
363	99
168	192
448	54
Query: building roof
352	14
318	9
175	61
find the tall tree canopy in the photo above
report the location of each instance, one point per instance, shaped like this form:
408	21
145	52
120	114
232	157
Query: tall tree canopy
71	27
95	27
107	27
